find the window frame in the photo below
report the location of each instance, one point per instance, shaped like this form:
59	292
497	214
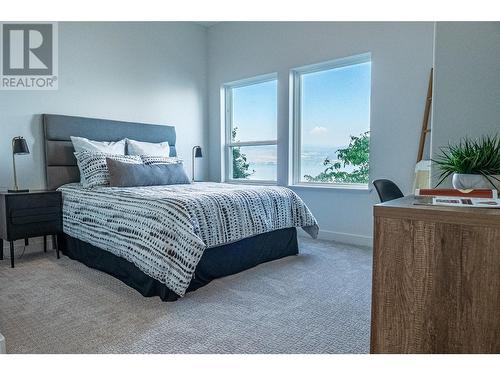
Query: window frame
228	127
295	120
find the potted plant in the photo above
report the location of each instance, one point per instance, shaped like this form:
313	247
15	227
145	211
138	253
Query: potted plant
474	163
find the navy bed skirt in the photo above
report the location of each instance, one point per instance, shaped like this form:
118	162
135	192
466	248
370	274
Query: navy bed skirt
215	262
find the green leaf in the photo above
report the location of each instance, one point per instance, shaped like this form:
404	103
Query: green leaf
356	154
470	156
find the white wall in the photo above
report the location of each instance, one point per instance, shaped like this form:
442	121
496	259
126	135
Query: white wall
466	100
402	56
144	72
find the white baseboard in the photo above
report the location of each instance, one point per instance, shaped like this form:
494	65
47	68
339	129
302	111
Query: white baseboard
2	345
347	238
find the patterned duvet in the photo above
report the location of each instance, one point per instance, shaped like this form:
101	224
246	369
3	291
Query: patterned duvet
164	230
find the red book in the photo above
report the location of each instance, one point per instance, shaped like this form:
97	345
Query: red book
470	193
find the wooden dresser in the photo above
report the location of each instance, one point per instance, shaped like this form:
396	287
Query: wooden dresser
436	279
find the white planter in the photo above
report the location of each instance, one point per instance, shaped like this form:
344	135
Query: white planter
474	181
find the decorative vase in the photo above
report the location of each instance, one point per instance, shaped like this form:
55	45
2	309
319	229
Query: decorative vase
474	181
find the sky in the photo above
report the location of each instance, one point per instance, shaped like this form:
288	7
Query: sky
255	111
335	105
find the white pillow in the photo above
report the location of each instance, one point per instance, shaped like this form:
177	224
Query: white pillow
146	148
83	144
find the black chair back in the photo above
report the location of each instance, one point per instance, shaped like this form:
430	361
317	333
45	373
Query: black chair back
387	190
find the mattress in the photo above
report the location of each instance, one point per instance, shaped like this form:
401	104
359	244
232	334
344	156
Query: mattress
164	230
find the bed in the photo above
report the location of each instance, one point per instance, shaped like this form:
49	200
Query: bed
166	240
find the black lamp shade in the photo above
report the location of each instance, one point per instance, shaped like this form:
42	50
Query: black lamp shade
197	152
20	146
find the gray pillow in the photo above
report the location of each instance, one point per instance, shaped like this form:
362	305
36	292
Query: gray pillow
128	175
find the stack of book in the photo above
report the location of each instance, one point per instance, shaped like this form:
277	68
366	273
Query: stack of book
484	198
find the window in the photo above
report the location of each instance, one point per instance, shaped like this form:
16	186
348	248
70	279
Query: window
251	128
331	122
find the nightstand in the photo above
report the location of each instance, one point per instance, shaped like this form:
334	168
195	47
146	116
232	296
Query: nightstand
31	214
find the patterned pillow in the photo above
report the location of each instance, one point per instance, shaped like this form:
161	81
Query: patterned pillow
152	160
93	167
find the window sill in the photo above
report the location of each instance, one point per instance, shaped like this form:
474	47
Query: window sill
350	187
250	182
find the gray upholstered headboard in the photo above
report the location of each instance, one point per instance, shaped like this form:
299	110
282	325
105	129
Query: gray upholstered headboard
60	163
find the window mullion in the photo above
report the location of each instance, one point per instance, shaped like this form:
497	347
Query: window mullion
253	143
229	128
297	127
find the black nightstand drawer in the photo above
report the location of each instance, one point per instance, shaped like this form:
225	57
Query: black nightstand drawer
19	220
20	231
33	200
35	215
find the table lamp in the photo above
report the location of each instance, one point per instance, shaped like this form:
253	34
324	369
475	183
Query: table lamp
19	147
196	154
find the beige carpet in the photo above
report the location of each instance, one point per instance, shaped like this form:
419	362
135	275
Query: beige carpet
317	302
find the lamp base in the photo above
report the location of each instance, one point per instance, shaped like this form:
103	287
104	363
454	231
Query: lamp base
18	191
